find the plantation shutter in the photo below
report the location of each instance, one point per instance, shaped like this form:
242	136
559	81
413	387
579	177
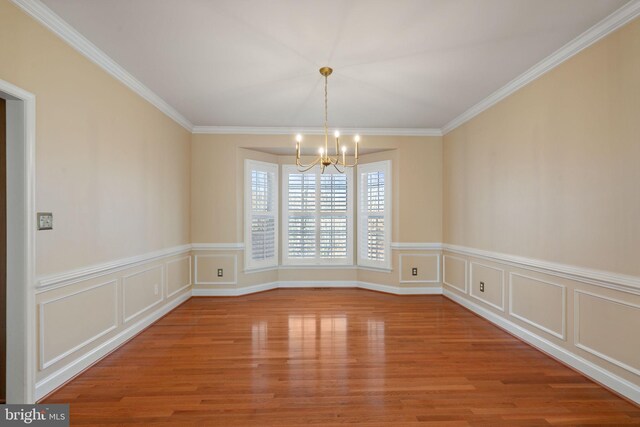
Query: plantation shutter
261	214
374	215
317	213
301	221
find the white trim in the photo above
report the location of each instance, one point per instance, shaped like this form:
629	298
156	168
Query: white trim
217	246
563	332
66	32
317	213
73	38
253	130
25	374
606	26
54	281
385	167
471	294
64	374
273	170
261	270
45	364
213	292
125	318
466	275
423	290
375	269
588	368
317	284
401	246
576	329
621	282
233	292
169	295
318	267
235	269
436	280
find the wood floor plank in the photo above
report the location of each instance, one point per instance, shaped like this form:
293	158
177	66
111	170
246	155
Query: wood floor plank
292	357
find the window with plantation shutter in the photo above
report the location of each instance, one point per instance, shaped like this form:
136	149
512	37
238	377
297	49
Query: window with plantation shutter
374	215
317	217
261	214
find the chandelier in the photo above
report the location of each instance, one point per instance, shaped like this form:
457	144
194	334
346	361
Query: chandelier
339	160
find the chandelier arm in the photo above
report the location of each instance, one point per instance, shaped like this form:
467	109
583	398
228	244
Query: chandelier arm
306	167
335	165
325	160
347	165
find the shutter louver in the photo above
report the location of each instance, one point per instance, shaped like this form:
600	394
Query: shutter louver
374	213
261	222
318	218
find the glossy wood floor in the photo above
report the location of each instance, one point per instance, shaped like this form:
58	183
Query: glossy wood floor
300	357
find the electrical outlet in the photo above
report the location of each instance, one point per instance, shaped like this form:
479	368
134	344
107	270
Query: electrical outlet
220	272
156	289
45	221
481	286
414	271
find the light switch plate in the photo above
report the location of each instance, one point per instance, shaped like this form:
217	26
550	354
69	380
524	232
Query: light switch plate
45	221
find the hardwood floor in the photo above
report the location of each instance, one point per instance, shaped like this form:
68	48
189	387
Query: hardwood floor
293	357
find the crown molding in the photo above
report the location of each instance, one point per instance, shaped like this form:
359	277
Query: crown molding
71	36
609	24
66	32
251	130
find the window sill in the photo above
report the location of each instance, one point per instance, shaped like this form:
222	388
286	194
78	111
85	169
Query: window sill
318	266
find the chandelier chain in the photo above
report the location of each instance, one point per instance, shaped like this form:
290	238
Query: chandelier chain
326	113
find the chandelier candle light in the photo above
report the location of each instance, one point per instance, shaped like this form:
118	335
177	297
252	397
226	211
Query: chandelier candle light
324	159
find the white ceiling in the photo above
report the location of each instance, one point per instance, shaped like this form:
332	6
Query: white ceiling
397	63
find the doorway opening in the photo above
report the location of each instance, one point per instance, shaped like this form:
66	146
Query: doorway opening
17	236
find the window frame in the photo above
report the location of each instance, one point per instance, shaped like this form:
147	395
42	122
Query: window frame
317	261
385	167
272	168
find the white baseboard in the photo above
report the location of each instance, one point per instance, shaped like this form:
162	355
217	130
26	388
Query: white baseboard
422	290
229	292
588	368
233	292
64	374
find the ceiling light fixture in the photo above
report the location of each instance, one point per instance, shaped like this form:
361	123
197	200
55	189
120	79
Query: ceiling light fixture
324	159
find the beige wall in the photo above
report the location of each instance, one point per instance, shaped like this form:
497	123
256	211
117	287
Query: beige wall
112	168
593	322
115	172
217	201
217	183
552	171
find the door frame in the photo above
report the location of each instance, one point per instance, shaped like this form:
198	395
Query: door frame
21	291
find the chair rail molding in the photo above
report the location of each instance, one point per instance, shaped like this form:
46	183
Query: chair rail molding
54	281
607	279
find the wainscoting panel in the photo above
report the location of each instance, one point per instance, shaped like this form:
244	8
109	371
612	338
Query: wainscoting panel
586	318
71	322
207	267
427	268
84	314
539	303
455	272
178	275
608	328
487	284
142	290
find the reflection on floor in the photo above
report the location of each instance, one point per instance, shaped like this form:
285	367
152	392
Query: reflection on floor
333	356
